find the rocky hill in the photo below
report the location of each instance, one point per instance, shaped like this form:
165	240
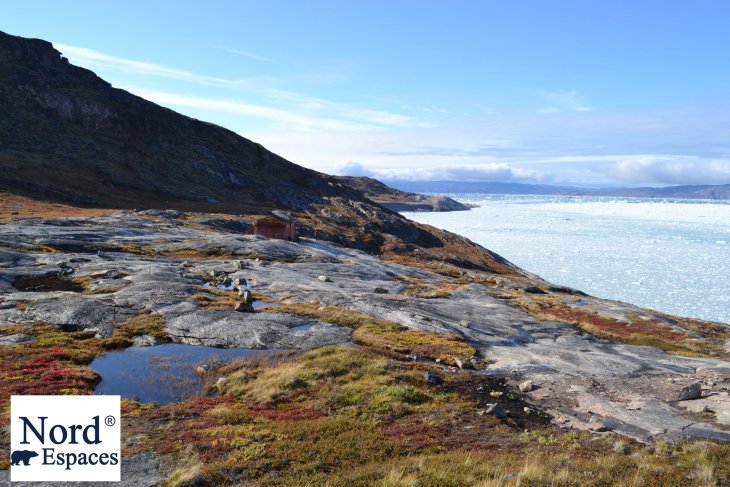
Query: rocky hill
68	136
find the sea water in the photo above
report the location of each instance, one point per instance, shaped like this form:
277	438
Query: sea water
668	255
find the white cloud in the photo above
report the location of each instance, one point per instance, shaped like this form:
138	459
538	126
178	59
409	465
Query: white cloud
92	59
247	54
293	110
481	172
285	118
292	99
564	101
350	168
671	170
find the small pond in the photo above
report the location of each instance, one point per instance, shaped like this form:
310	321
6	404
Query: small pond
47	283
263	304
163	373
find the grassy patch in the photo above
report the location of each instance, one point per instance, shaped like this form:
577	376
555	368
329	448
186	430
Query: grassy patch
431	291
145	323
217	299
700	339
387	336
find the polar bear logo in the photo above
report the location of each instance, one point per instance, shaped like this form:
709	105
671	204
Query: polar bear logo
22	456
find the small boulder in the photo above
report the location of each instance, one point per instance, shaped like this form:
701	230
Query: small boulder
692	391
144	341
241	264
526	386
464	324
496	411
459	363
239	282
324	279
244	307
226	281
432	377
380	290
206	367
697	407
596	425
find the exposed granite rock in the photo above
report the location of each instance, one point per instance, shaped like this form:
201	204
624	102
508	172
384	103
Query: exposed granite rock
632	388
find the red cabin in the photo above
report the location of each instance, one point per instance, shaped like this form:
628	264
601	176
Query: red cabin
278	225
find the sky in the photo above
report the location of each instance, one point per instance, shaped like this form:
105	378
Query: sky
559	92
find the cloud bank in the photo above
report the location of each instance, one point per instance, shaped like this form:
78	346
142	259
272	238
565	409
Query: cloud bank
671	170
484	172
561	138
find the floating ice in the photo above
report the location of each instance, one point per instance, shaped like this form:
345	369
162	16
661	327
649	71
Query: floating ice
666	255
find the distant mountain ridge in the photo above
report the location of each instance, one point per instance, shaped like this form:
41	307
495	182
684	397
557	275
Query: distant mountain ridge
711	192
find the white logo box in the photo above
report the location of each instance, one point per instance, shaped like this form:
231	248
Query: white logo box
65	438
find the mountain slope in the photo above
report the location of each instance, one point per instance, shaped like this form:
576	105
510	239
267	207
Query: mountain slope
66	135
398	200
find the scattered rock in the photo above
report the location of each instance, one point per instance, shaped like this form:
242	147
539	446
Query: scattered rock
380	290
16	339
697	407
692	391
595	424
241	264
459	363
324	279
209	366
464	324
496	411
227	281
244	307
432	377
526	386
145	341
239	282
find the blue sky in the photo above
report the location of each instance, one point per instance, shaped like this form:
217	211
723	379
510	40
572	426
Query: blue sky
595	93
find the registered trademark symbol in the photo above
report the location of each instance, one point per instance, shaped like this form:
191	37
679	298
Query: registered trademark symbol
109	421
